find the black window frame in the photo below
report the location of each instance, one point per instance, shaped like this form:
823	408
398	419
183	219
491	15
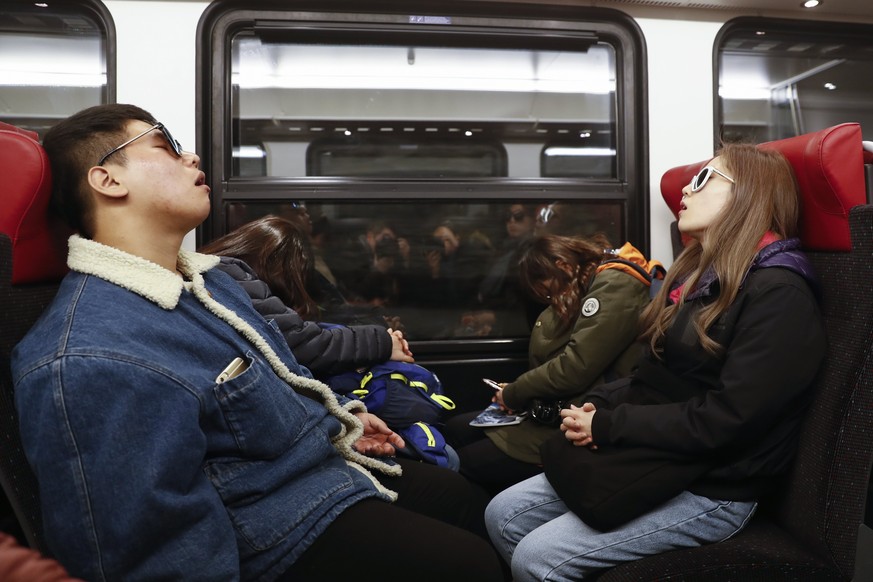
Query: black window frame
546	24
224	18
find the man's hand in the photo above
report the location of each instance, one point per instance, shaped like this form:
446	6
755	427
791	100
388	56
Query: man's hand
378	440
576	424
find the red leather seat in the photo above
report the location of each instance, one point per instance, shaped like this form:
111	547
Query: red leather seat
39	243
829	166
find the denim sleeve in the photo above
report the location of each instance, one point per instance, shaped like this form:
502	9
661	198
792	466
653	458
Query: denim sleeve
118	450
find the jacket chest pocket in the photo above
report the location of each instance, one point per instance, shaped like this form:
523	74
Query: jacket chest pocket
262	412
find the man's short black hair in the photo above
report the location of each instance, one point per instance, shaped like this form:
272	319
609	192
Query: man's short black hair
74	146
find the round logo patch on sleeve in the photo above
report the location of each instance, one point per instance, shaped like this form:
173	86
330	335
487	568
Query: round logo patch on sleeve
590	307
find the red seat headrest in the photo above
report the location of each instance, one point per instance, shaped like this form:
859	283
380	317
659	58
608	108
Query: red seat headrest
39	242
829	166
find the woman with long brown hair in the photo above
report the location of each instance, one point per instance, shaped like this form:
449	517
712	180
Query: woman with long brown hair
735	340
584	337
272	259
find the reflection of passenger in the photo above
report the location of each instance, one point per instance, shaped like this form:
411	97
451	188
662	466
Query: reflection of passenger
566	219
477	323
377	289
318	233
280	255
520	224
455	266
500	291
379	250
319	238
585	337
296	212
386	254
548	218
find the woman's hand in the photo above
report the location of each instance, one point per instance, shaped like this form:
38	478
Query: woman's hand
400	351
576	424
498	397
433	259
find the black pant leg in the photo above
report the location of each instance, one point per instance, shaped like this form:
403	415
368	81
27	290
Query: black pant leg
374	540
483	463
440	494
458	431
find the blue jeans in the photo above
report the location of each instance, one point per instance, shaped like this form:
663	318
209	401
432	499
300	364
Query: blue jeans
543	540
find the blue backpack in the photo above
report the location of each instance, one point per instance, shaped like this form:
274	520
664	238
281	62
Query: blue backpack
399	393
426	443
411	401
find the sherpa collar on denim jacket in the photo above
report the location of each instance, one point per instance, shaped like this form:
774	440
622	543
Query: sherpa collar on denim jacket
136	274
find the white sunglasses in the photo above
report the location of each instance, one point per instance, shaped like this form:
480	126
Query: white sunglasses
699	180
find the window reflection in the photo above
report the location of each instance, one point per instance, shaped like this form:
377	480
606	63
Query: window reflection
424	111
448	274
435	126
778	81
52	63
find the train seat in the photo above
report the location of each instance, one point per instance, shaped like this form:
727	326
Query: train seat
868	169
830	142
809	530
25	220
32	262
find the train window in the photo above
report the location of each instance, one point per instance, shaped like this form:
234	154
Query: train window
410	108
54	61
417	151
404	156
250	161
573	160
449	275
781	78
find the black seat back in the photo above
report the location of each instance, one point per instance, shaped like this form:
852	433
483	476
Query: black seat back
32	262
20	306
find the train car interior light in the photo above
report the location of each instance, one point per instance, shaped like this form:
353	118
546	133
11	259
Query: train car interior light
36	60
579	151
272	66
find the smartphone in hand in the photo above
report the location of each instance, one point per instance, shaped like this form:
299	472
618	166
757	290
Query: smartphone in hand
492	384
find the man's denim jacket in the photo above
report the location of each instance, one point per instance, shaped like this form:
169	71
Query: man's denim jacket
148	467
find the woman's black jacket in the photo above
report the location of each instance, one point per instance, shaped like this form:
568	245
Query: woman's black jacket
325	350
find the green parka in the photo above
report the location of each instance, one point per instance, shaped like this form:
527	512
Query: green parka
566	365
